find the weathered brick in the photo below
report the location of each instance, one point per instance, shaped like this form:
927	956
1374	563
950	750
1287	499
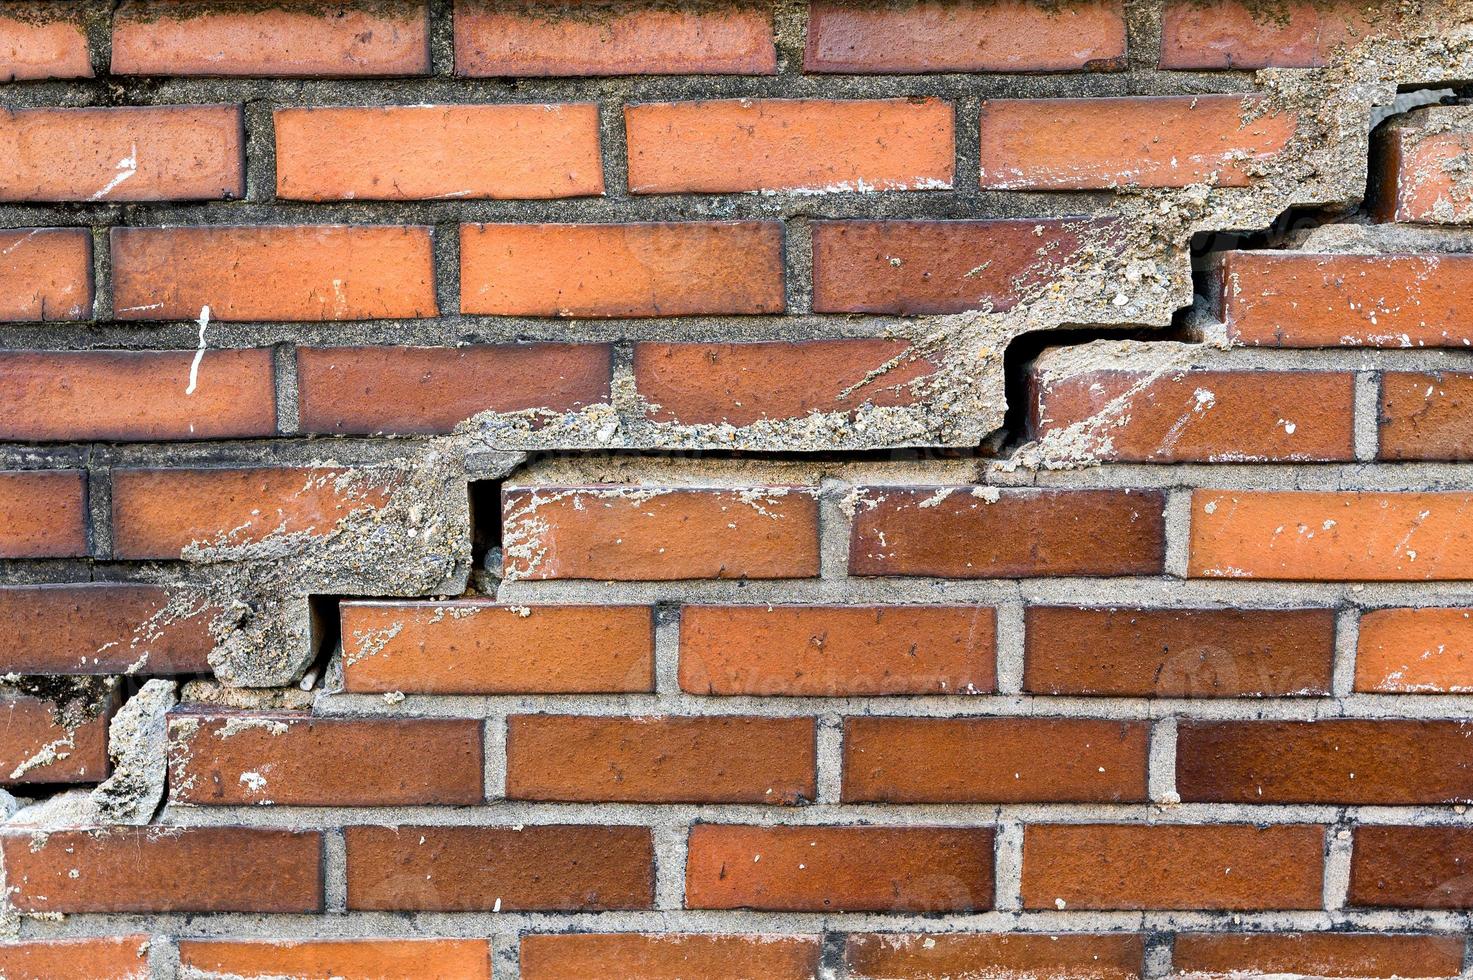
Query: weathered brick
1055	957
1383	957
47	740
622	270
476	647
836	651
994	760
42	39
839	869
539	39
1426	415
567	868
244	758
159	513
164	869
414	390
908	267
349	959
660	533
127	153
198	37
45	274
303	272
1415	651
739	384
424	152
1178	653
1150	141
1327	536
669	956
100	627
43	513
983	532
1285	299
66	396
1412	867
1222	866
1212	34
966	36
1385	762
1417	165
101	958
717	146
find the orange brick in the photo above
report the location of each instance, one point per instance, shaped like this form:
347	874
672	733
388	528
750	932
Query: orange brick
622	270
1222	866
1318	954
541	39
129	153
1415	651
1055	957
198	37
834	651
1154	141
1415	167
660	533
43	39
159	513
103	958
967	36
478	647
305	272
55	740
994	760
1212	34
64	396
1411	867
1331	537
839	869
424	152
1426	415
101	627
413	390
719	146
350	959
669	956
43	514
45	274
739	384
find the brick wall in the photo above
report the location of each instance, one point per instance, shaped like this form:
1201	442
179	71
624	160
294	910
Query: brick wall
805	490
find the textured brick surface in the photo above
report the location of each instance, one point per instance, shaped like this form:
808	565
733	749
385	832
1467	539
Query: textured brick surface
45	274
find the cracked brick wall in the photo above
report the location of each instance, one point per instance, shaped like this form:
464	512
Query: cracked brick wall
908	489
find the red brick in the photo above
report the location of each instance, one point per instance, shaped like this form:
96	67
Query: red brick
349	959
907	267
285	758
160	513
1416	167
994	760
1381	762
424	152
478	647
414	390
839	869
456	869
1414	651
1281	299
198	37
43	514
590	759
1412	867
43	39
45	274
660	533
1212	34
836	651
1179	653
1331	537
102	958
54	740
304	272
164	869
127	153
540	39
739	384
1319	954
65	396
1020	955
967	36
983	532
1222	866
101	627
1154	141
622	270
1199	415
1426	415
669	956
718	146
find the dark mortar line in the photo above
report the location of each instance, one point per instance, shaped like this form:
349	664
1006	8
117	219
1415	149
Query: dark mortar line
260	151
445	263
284	378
